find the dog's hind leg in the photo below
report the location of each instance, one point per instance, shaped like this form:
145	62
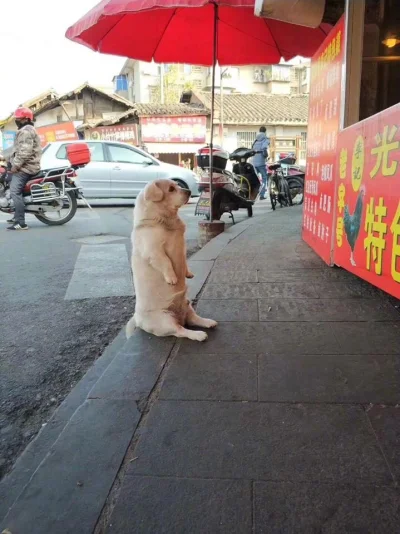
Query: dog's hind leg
164	324
192	319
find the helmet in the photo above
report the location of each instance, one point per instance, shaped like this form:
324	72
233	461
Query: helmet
23	113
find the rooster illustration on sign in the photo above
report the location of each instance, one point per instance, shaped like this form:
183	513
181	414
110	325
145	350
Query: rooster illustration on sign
352	222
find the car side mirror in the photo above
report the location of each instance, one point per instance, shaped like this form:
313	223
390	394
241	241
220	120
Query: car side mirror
148	161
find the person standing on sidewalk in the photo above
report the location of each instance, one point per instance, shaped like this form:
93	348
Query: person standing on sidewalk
260	146
24	162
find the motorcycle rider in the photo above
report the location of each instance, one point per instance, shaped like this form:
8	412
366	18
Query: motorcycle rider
24	162
260	146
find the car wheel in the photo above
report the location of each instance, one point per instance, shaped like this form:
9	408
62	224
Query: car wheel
181	184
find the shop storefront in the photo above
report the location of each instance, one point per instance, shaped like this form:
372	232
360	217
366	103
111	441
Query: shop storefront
352	202
174	140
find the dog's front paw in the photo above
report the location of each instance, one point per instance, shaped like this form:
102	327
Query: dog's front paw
199	336
210	323
189	274
172	280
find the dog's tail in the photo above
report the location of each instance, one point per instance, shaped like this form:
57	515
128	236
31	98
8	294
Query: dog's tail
130	327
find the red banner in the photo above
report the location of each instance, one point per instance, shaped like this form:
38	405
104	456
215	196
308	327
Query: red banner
126	133
323	129
173	129
367	230
64	131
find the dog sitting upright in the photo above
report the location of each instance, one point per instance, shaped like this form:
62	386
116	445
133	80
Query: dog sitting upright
159	264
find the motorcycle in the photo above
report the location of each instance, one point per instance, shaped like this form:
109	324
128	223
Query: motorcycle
52	195
231	190
286	182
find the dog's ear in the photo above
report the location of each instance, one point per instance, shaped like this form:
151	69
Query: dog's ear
153	192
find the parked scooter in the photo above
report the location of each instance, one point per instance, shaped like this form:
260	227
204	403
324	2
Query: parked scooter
231	191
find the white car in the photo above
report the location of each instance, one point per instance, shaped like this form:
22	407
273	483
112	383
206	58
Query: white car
117	170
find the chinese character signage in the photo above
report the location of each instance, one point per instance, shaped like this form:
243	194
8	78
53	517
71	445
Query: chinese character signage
8	139
367	229
173	129
323	129
64	131
126	133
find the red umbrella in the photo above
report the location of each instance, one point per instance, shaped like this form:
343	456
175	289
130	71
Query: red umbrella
182	31
200	32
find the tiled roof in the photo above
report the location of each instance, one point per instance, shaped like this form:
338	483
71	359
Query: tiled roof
68	96
259	108
111	119
101	90
169	109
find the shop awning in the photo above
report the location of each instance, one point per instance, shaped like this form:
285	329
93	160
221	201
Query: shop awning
173	148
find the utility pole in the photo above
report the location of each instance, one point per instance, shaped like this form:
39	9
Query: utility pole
221	106
162	83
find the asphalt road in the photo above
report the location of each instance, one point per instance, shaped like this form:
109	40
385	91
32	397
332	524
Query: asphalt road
66	292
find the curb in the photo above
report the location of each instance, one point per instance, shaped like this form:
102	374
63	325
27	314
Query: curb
61	482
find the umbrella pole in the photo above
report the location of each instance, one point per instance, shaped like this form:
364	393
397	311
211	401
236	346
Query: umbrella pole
215	51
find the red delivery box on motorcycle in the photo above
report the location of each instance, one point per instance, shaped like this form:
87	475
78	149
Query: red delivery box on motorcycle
78	154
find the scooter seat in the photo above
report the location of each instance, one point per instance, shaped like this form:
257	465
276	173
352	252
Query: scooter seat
274	166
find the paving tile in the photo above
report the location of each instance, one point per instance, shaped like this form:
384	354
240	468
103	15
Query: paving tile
284	276
188	506
211	377
368	338
134	371
260	441
229	310
326	310
321	275
347	289
337	379
69	489
305	509
298	290
201	270
386	424
238	264
271	338
142	341
231	277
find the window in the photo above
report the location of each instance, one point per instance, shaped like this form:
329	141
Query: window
121	154
96	152
245	139
120	83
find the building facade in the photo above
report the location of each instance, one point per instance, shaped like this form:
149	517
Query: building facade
238	118
141	82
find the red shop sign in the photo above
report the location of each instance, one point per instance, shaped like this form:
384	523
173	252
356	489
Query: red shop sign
367	227
174	129
64	131
126	133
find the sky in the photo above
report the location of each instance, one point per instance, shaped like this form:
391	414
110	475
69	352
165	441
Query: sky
36	56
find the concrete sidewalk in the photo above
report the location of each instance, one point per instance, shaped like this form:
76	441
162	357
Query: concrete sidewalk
285	421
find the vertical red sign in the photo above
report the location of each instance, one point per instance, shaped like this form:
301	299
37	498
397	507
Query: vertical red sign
323	130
